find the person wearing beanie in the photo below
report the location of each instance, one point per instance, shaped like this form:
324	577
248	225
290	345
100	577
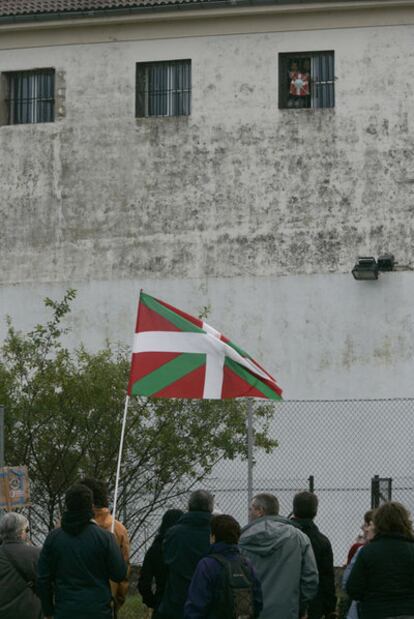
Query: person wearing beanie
77	562
104	519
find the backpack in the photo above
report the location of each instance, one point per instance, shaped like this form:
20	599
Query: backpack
235	600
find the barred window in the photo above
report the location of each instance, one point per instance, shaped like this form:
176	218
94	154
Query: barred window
163	88
31	96
306	80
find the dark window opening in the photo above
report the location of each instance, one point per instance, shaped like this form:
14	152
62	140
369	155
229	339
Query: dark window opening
31	96
306	80
163	88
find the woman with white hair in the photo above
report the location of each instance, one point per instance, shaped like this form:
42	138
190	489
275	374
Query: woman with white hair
18	562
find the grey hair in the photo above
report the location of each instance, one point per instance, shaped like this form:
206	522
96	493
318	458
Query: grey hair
268	503
12	526
201	501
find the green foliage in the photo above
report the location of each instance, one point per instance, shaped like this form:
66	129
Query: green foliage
64	411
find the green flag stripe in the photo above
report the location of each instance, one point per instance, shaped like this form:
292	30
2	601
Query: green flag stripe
177	320
251	379
241	352
168	374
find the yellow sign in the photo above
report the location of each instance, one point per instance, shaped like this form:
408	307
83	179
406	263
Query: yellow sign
14	487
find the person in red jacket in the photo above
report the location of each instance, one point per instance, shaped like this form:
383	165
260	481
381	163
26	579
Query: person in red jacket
361	542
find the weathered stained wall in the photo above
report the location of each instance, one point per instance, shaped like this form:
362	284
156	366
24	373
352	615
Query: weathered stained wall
238	187
280	201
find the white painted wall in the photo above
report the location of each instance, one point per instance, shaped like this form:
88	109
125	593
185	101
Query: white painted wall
322	336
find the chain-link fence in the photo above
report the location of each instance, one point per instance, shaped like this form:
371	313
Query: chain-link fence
354	453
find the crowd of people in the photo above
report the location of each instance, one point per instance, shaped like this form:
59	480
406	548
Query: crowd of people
202	565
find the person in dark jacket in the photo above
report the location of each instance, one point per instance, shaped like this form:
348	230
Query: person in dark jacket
185	544
154	570
305	508
105	520
205	595
18	561
76	563
382	579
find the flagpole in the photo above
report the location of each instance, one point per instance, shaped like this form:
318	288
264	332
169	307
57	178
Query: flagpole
250	444
118	470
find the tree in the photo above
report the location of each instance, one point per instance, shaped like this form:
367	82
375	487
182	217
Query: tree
64	411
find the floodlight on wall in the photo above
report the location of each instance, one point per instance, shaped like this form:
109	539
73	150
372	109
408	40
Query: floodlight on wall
366	268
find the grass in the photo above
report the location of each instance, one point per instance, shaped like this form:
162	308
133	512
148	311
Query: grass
134	609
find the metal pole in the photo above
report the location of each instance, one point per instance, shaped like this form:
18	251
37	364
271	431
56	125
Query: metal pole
250	445
311	480
118	468
1	435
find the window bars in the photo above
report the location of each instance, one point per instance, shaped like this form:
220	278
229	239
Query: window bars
307	80
31	96
163	88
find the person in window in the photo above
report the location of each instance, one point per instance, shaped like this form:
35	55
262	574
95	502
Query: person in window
154	570
18	560
383	575
298	86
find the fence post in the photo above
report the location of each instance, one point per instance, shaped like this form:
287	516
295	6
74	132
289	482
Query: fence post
1	435
311	481
375	492
250	441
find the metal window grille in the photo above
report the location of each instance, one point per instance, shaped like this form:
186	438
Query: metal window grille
164	88
31	96
320	68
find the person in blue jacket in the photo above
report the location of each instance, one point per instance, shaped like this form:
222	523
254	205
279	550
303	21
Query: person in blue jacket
206	597
76	563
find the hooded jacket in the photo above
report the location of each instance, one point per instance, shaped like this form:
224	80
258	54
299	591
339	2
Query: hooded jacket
74	570
285	564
